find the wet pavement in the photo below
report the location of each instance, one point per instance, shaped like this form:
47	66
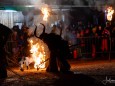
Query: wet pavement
86	73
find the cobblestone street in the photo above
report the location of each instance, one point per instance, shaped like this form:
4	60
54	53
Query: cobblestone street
90	73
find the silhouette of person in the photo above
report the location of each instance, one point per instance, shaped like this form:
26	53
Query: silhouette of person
4	34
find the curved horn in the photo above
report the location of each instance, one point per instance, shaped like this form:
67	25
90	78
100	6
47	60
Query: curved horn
35	31
43	28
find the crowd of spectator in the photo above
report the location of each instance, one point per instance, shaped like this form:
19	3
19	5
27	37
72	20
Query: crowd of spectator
93	39
88	40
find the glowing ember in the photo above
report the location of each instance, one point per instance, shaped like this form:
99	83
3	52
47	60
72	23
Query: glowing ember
45	11
110	12
39	52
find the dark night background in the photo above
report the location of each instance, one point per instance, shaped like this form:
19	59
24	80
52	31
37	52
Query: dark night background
86	71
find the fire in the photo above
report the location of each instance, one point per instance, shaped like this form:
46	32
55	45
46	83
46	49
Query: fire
45	11
110	12
39	52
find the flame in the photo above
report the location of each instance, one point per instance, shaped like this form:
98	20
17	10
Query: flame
45	11
39	52
110	12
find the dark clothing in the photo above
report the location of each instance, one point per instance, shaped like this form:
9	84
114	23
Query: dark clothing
3	64
59	50
4	35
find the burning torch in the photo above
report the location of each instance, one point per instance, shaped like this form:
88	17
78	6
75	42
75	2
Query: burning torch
110	12
46	13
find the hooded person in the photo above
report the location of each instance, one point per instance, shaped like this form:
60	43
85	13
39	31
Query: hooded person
4	35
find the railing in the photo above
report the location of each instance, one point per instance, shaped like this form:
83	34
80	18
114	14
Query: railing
94	47
86	47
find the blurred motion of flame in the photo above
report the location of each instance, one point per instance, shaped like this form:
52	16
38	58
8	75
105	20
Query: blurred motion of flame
46	13
39	52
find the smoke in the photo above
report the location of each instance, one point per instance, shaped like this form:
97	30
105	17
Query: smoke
34	16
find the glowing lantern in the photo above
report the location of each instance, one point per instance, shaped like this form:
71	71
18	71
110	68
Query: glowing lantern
110	12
